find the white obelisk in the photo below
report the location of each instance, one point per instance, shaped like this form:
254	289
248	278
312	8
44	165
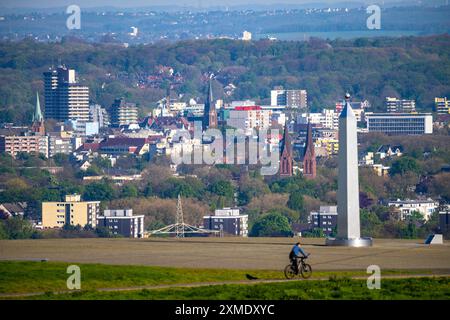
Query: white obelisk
348	224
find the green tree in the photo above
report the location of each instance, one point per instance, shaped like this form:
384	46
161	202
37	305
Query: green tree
99	191
404	165
129	191
17	228
296	201
271	225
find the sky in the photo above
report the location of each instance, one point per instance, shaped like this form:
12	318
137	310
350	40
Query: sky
145	3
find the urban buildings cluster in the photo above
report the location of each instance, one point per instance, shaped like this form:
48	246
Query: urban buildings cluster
86	130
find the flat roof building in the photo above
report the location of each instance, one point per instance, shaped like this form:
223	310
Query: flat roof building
229	221
400	123
72	211
325	219
122	222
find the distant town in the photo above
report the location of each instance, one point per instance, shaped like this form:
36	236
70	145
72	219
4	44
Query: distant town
116	154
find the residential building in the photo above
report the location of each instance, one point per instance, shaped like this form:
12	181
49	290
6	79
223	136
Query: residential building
65	98
328	118
229	221
249	117
325	219
123	113
24	142
122	222
289	98
386	151
400	105
309	156
400	123
442	105
286	158
72	211
99	114
405	207
380	169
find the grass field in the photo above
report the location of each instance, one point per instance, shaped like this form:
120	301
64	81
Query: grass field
229	253
20	277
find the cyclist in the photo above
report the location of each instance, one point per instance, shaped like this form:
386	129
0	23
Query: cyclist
297	252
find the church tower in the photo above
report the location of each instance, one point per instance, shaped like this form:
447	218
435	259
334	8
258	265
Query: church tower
286	161
38	120
309	156
210	112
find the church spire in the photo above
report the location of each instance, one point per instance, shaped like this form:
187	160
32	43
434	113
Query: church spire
38	120
210	113
309	155
37	115
286	160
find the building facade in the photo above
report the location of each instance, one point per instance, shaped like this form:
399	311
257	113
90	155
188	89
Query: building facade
122	222
26	142
65	99
72	211
406	207
249	117
123	113
325	219
400	105
229	221
289	98
442	105
400	123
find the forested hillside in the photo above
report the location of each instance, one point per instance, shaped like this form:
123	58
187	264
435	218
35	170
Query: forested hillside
410	67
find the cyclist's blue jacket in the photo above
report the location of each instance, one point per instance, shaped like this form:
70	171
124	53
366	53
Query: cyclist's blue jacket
298	251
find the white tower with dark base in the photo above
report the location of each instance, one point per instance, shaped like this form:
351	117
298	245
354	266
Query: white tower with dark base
348	225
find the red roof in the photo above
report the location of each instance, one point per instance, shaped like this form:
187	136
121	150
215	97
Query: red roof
247	108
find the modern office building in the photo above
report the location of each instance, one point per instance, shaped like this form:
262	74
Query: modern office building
123	113
65	98
400	105
442	105
72	211
229	221
444	220
325	219
122	222
400	123
289	98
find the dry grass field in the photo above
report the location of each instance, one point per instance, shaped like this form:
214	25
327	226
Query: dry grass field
229	253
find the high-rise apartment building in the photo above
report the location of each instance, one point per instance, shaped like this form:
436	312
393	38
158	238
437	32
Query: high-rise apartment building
73	211
400	105
99	114
289	98
442	105
123	113
65	99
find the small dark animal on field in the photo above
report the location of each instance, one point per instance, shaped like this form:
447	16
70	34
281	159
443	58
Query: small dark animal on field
250	277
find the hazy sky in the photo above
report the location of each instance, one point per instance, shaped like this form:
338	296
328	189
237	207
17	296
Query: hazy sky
142	3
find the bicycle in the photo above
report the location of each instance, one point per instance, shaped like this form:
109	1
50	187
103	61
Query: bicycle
303	269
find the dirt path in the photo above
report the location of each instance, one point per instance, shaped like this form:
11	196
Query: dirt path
202	284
